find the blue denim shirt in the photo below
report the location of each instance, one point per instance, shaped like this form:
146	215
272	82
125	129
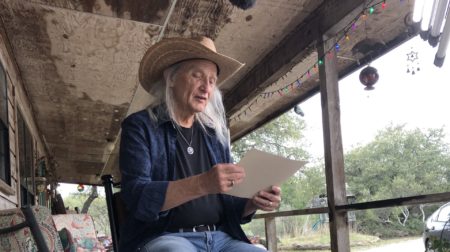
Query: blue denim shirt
147	163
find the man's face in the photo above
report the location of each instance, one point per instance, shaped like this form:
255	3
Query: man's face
194	84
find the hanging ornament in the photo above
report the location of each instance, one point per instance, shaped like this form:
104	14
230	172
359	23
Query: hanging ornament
80	188
298	110
368	77
412	62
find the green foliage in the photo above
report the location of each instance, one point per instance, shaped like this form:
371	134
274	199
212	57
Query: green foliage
284	137
397	163
97	210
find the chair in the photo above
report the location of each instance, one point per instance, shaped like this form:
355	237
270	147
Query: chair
116	209
28	229
77	232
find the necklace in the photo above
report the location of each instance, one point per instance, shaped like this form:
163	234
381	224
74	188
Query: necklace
190	149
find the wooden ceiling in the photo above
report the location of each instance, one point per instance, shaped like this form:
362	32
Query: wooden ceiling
79	58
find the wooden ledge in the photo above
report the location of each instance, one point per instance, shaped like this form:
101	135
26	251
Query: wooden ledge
7	189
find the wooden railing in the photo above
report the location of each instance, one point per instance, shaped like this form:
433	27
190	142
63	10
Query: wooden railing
269	218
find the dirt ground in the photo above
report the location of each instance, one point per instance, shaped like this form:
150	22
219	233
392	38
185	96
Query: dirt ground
413	245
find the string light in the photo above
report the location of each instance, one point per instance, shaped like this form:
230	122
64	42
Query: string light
337	47
296	84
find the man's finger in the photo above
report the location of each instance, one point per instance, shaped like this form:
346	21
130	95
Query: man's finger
276	190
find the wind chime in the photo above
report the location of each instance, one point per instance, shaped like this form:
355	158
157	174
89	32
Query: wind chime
430	16
412	62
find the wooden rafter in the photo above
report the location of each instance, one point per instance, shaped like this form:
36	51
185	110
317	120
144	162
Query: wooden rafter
289	52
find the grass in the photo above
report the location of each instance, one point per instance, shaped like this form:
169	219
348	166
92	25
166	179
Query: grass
358	241
323	238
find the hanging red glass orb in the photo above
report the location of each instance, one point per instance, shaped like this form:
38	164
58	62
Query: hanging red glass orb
80	187
368	77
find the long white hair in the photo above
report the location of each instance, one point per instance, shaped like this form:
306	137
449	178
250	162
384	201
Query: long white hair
214	114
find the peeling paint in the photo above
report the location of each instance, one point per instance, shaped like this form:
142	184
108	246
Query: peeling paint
147	11
141	10
199	18
69	122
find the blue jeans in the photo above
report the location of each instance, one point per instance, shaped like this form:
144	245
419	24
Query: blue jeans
216	241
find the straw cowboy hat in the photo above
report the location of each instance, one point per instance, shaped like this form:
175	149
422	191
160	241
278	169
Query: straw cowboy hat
173	50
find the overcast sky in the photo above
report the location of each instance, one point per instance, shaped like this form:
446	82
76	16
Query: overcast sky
419	100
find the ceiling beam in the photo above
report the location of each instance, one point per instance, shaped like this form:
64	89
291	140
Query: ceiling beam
390	45
290	51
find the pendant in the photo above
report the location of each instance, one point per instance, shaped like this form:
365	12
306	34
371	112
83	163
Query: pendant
190	150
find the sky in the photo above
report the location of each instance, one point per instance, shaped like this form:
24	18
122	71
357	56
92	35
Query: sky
418	101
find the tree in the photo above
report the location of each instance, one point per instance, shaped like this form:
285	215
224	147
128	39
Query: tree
97	209
398	163
92	196
284	137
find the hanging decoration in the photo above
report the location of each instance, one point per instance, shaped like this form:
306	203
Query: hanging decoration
412	62
299	110
368	77
343	36
80	187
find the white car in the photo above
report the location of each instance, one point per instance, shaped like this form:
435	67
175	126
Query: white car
437	227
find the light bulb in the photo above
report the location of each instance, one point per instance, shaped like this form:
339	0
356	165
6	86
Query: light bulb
426	15
436	26
418	9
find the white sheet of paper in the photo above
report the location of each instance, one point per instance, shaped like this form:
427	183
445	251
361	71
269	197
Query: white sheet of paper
262	170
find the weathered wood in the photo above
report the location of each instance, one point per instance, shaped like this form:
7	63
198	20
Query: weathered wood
12	140
13	165
405	201
271	234
6	189
148	11
334	156
289	52
306	211
11	116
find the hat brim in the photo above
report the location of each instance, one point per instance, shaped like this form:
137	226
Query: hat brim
173	50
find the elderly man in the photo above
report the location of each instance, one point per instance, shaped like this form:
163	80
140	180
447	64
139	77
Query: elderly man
175	157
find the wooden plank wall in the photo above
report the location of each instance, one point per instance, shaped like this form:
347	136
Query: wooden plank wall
17	99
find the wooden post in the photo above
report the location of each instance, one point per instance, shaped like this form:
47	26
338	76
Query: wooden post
271	234
334	157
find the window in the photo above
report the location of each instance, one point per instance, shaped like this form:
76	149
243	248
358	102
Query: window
25	162
444	214
4	134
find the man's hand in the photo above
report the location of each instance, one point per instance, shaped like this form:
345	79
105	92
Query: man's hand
266	200
221	178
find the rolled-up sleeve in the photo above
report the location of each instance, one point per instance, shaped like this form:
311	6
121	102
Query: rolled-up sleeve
143	197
